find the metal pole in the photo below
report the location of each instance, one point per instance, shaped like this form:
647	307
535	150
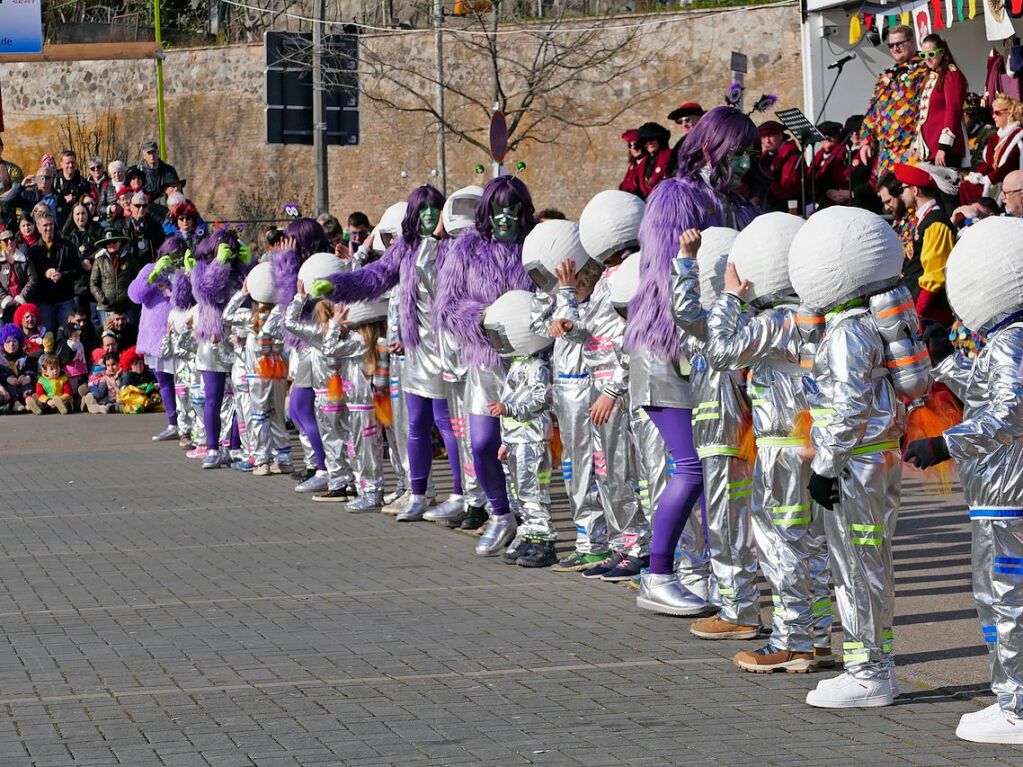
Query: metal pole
442	165
160	115
321	189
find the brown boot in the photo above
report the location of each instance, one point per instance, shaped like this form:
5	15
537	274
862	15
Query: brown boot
824	657
769	658
713	627
60	405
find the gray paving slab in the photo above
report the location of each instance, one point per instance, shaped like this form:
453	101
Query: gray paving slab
156	614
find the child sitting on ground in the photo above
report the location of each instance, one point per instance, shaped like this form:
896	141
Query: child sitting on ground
70	351
14	378
53	392
103	387
139	390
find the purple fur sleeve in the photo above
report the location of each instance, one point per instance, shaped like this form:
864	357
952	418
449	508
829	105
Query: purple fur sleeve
141	292
369	282
472	275
211	284
674	206
155	311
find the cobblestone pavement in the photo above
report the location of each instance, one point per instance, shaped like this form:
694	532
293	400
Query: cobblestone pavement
156	614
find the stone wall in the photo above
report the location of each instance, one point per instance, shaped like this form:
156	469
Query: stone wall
215	133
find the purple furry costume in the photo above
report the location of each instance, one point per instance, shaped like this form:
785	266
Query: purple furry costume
701	196
309	238
398	267
471	275
155	301
213	284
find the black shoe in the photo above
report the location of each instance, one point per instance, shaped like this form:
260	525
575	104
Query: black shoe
539	554
627	569
515	548
474	518
337	495
598	570
301	475
351	490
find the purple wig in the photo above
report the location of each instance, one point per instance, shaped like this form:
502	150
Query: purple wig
675	205
309	237
181	291
505	191
473	273
213	283
421	197
720	131
10	331
174	246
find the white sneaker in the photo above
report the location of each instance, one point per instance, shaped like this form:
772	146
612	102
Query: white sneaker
846	691
394	507
992	725
315	484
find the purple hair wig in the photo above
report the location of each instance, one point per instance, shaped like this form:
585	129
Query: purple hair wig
309	238
675	205
181	291
720	131
9	331
213	282
473	273
421	197
505	191
174	246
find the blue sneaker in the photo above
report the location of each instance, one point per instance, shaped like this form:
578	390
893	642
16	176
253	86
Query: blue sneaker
626	570
242	466
607	565
212	461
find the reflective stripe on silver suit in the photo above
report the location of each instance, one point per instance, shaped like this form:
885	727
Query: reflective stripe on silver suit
238	318
179	345
787	525
573	395
858	422
365	439
397	432
599	329
988	448
721	417
526	431
330	421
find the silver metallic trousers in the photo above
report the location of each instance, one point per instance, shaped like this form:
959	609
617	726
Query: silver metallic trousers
267	436
184	380
471	489
789	531
197	397
365	446
333	428
242	409
615	472
397	432
529	472
572	401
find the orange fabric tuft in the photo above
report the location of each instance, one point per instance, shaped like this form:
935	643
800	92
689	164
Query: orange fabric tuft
382	405
939	412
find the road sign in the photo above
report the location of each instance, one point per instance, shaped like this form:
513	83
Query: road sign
289	88
21	26
498	136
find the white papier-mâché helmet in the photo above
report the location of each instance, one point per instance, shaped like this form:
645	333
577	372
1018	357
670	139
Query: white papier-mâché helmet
544	248
625	284
610	223
761	253
389	224
984	274
459	211
506	324
260	283
364	312
712	258
319	266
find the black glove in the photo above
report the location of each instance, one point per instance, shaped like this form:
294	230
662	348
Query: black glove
924	453
824	490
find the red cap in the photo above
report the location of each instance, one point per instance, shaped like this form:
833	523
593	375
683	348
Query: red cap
124	191
630	135
770	128
911	175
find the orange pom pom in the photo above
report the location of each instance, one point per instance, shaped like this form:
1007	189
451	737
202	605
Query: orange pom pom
335	389
748	444
801	431
382	406
940	411
556	446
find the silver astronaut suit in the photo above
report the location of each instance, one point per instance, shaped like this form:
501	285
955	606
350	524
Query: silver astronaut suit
988	448
573	394
217	357
267	436
721	415
238	332
330	420
397	433
787	525
179	344
599	329
526	431
857	425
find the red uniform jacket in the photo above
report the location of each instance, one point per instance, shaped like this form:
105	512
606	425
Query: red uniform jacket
783	172
941	114
658	171
632	176
830	171
1001	157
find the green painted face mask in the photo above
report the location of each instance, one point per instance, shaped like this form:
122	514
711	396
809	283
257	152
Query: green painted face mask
505	222
739	162
428	219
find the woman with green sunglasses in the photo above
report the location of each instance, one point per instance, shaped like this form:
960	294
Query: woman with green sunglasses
941	128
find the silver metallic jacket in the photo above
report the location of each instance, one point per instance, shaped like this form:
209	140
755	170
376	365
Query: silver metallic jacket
321	366
599	329
527	399
423	367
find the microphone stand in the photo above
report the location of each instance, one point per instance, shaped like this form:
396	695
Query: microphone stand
839	68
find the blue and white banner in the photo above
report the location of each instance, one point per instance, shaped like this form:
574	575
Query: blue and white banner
21	26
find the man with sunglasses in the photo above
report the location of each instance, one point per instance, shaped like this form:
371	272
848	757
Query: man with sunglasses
685	117
889	126
144	232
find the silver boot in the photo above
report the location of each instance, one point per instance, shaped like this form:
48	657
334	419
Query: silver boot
368	501
662	593
498	534
395	502
451	510
171	432
414	509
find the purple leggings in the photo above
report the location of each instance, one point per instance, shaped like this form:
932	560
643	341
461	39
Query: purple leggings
166	381
423	413
683	489
213	384
302	410
485	434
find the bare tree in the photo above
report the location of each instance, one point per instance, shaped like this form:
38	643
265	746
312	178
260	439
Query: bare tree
547	76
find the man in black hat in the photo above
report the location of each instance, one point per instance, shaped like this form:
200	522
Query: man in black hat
158	174
654	167
685	117
116	265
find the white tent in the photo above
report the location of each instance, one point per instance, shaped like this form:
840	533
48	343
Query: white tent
825	39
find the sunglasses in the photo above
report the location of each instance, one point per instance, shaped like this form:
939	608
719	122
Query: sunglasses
689	120
634	145
927	55
143	206
95	167
89	203
999	112
897	43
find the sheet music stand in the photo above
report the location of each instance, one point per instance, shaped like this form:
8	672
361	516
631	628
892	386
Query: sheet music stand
806	135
